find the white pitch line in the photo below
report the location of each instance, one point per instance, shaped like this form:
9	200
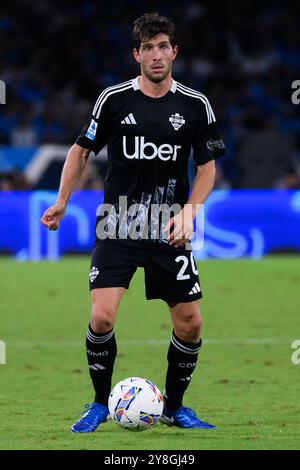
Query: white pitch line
143	342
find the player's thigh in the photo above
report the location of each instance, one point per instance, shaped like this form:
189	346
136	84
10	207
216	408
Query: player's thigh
112	269
112	265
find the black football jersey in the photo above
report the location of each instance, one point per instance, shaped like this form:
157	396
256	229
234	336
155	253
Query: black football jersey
149	141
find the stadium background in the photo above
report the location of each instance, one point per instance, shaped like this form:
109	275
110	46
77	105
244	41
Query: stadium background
55	58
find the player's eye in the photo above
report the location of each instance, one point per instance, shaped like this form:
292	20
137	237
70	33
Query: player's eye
147	48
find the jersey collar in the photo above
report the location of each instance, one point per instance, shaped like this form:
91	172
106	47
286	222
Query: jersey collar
135	84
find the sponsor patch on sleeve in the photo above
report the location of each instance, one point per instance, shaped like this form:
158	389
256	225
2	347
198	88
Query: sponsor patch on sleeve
91	132
215	144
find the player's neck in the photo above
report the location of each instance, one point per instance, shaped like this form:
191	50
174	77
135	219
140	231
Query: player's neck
155	90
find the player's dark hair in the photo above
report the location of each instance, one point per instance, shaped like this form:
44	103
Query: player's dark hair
149	25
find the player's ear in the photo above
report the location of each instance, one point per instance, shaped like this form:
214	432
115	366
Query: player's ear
136	55
175	51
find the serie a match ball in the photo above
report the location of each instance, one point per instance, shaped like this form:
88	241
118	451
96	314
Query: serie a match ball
135	404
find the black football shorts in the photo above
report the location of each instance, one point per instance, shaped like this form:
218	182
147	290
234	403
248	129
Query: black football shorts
170	273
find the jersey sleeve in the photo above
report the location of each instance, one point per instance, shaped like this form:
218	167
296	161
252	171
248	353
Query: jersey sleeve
207	143
94	134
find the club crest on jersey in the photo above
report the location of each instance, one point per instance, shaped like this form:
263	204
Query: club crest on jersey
91	132
176	120
94	272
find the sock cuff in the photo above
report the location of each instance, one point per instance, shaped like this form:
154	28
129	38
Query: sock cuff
99	338
183	346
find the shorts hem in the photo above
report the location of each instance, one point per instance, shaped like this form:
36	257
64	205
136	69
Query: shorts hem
103	286
176	301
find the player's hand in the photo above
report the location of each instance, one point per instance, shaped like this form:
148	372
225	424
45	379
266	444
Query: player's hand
53	215
183	228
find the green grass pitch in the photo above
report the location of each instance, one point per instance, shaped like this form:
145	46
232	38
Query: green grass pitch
245	382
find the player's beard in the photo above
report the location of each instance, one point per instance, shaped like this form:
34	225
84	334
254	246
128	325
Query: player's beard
155	78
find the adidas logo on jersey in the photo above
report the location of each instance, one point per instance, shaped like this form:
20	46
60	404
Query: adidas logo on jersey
129	119
195	289
148	150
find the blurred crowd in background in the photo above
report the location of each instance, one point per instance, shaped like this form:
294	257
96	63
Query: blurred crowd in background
57	56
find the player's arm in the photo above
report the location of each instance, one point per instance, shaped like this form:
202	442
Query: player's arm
203	184
92	137
207	146
71	173
183	221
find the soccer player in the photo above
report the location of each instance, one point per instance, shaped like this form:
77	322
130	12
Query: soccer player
150	124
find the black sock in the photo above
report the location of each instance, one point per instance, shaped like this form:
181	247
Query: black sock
101	350
182	359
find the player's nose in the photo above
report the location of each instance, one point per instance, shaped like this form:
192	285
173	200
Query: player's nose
157	54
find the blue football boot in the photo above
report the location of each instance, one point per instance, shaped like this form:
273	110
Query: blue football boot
183	418
94	414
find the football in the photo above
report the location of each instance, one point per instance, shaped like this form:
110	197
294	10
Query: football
135	404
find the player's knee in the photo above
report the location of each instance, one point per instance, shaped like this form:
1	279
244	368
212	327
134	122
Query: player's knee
102	319
189	329
197	324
